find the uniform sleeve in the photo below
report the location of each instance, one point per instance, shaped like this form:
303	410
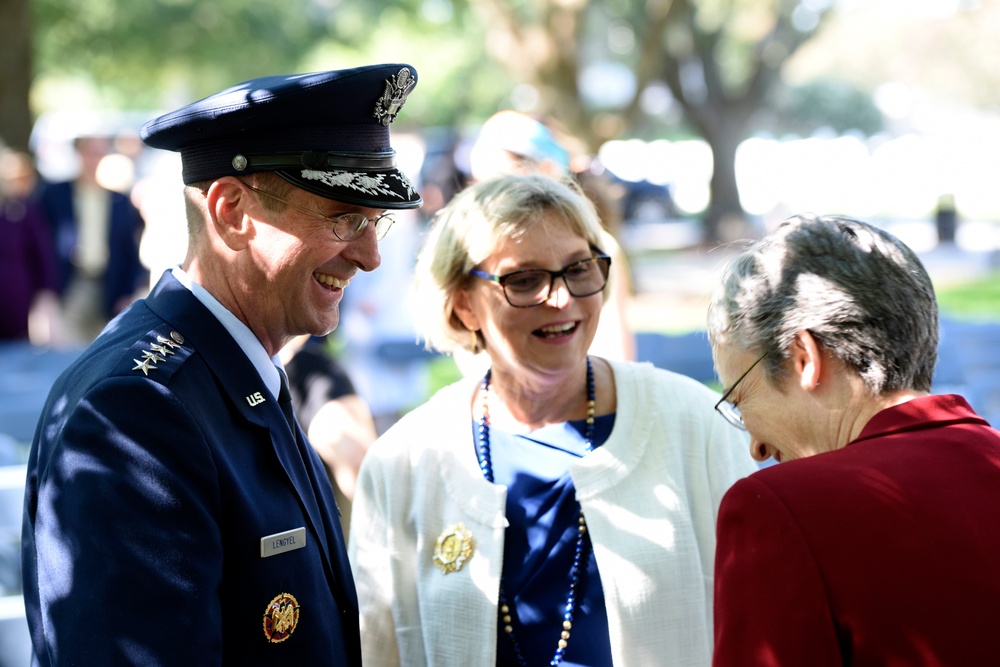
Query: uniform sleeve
371	550
122	532
771	606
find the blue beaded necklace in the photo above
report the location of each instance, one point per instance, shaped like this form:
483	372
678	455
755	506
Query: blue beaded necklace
579	558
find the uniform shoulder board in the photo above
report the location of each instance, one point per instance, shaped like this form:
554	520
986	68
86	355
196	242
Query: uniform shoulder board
159	354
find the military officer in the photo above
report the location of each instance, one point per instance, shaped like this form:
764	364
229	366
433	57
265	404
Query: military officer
175	514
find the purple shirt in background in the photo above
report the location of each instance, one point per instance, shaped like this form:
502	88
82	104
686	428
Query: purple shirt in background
27	264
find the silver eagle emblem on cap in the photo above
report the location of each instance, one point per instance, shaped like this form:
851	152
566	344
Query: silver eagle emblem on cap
396	89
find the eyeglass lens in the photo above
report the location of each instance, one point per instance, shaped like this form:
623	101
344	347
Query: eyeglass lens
532	287
382	225
350	226
732	414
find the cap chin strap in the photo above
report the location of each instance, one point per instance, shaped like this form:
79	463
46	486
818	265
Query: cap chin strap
318	160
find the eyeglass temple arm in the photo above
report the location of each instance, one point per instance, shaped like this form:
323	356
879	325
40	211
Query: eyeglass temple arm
479	273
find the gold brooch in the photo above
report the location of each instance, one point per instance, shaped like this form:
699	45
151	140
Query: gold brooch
281	617
453	548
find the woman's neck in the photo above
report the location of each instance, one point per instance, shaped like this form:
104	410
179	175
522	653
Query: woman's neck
517	402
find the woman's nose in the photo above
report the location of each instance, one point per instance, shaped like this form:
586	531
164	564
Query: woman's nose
559	293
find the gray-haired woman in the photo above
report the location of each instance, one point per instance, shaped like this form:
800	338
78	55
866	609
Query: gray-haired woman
868	545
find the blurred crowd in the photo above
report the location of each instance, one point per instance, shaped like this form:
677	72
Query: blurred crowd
80	248
71	247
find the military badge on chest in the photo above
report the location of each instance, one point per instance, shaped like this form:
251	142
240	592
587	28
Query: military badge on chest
281	618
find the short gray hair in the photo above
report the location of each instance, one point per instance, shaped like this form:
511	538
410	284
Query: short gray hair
469	228
194	198
860	291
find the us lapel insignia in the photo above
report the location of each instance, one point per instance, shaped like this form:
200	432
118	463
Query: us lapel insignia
453	548
396	90
281	618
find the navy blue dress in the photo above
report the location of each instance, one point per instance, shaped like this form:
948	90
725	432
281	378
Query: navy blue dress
540	545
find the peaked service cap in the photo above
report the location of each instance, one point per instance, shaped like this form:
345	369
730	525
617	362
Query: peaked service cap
324	132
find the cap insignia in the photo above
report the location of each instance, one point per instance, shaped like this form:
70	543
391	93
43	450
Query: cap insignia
367	183
453	548
396	90
281	618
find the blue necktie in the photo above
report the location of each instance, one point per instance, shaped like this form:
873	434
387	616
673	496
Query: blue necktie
285	402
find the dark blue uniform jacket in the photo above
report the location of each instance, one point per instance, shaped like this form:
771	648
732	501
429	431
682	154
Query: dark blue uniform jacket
159	464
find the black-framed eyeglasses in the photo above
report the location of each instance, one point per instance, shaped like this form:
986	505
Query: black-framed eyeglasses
532	287
729	410
346	226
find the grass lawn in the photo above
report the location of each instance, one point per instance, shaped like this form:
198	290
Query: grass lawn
977	300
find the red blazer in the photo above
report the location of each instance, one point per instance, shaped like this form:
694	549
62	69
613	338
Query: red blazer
886	552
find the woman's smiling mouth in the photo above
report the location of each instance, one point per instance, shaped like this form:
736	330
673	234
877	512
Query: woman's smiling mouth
555	330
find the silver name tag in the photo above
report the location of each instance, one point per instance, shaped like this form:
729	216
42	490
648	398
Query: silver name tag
279	543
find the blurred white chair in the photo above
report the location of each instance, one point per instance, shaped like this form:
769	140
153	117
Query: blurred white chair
15	643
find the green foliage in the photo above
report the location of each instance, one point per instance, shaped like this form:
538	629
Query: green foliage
978	300
158	53
441	372
824	103
132	52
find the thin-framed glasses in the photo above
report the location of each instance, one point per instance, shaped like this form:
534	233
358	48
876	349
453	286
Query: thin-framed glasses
729	410
532	287
346	226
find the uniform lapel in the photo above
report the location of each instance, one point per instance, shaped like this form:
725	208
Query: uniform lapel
292	449
246	390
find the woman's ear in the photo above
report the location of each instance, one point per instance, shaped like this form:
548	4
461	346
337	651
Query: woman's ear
227	201
462	305
807	360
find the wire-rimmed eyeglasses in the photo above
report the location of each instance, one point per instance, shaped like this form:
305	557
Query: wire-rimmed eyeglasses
346	226
729	410
532	287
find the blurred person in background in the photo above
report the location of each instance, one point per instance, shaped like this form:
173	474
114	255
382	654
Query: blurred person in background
171	497
96	234
511	142
337	421
562	506
872	543
29	304
381	354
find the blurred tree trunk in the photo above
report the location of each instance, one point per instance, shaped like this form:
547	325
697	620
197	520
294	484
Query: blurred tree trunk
719	105
724	220
717	68
542	49
15	73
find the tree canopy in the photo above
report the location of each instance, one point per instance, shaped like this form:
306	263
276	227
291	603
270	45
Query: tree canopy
602	69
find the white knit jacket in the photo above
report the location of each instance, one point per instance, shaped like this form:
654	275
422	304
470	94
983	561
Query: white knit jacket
650	495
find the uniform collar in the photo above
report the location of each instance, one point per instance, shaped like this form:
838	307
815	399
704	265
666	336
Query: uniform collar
266	366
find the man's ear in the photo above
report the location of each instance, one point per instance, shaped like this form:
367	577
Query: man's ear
227	201
807	360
